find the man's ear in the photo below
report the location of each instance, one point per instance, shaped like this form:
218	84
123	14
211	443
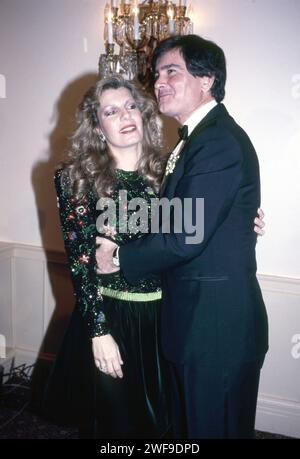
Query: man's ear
207	83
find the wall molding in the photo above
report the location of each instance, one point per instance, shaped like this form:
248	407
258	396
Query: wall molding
11	249
281	284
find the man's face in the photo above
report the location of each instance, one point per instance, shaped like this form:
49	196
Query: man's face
178	92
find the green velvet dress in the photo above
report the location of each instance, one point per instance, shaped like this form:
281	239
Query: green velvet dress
134	406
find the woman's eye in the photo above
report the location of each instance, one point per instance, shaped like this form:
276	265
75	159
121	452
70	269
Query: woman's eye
170	71
132	106
110	112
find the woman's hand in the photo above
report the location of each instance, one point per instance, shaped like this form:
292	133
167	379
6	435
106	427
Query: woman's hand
107	355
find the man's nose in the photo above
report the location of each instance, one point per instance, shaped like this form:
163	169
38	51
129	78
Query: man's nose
159	82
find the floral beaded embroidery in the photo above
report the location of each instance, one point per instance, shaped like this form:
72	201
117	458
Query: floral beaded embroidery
80	210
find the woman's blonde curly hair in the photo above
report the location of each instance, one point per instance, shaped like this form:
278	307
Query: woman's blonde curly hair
90	164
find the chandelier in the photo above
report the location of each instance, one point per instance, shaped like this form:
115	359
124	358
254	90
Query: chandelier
136	27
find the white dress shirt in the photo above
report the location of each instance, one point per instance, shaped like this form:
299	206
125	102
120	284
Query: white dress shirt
194	119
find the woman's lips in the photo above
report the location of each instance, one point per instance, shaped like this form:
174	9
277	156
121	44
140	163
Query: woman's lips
127	129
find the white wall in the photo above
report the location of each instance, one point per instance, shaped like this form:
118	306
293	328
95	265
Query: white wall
47	70
261	41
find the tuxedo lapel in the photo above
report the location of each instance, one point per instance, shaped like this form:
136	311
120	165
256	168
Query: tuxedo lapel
218	111
209	119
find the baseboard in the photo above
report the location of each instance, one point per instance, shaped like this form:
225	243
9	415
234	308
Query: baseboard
278	416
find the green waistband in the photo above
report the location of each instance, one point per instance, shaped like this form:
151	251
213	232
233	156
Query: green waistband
130	296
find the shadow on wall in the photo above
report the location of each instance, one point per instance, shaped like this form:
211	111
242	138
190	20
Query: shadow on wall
63	119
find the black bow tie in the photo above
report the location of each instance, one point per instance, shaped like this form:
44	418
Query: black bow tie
183	132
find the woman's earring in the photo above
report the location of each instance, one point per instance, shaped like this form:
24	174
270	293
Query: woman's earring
102	137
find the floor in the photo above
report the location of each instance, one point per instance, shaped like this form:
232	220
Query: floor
20	420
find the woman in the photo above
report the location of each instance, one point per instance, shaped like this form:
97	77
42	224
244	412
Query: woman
117	146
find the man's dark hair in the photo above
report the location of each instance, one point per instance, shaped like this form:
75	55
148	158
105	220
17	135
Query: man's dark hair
202	58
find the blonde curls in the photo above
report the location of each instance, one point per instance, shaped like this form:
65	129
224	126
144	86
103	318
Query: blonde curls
90	163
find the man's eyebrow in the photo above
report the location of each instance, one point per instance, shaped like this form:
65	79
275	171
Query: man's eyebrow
167	66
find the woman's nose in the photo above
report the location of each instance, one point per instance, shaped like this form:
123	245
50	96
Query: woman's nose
125	113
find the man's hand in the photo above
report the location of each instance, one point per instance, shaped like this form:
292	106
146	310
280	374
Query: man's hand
104	256
259	223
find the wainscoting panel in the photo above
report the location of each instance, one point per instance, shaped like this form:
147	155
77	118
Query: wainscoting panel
279	391
6	301
29	294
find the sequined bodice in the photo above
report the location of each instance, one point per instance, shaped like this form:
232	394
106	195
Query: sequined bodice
80	225
129	186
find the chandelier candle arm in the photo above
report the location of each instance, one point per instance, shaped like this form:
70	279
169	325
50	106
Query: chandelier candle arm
136	27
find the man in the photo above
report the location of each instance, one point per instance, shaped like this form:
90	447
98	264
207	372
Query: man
214	323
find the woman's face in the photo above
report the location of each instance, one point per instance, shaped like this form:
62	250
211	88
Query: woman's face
120	119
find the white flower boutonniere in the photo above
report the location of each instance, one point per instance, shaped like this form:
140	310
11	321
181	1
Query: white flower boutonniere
172	162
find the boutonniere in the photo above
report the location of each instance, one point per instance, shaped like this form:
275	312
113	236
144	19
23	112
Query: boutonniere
173	158
183	133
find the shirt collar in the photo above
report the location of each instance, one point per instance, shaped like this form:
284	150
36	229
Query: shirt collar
198	115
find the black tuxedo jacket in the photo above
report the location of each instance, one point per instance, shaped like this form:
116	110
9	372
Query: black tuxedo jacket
212	309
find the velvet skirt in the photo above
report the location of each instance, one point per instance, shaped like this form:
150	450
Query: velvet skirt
135	406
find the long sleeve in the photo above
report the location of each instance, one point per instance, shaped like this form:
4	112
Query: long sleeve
214	173
79	232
